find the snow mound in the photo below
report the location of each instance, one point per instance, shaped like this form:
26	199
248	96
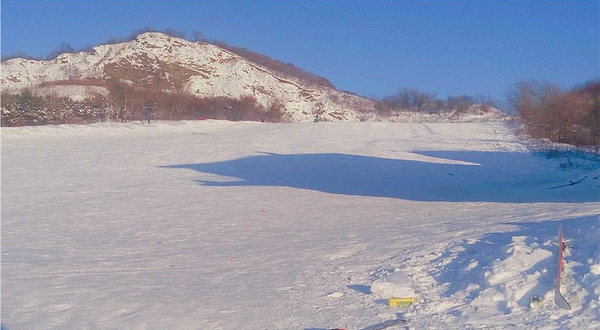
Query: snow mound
512	281
498	274
395	285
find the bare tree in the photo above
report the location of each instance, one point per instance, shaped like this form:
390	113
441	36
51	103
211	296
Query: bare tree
60	49
72	71
460	103
123	98
550	112
592	114
422	99
318	112
198	36
410	99
174	33
486	102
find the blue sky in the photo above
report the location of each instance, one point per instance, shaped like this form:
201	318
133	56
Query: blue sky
372	48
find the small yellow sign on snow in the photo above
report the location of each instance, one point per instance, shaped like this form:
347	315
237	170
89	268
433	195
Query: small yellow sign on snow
400	302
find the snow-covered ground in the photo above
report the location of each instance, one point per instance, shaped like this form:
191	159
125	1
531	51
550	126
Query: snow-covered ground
221	225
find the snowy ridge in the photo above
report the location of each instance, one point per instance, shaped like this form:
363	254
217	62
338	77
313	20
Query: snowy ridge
198	68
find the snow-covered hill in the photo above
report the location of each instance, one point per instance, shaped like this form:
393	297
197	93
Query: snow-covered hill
193	67
223	225
156	60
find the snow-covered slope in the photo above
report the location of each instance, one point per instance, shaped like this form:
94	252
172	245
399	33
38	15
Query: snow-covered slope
198	68
222	225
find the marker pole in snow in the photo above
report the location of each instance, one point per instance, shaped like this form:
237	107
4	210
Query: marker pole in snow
558	297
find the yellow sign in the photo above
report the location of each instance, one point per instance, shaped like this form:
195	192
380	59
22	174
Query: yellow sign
399	302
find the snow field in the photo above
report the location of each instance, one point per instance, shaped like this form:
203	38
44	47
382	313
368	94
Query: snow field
220	225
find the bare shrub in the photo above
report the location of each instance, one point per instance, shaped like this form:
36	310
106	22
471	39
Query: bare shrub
62	48
549	112
410	100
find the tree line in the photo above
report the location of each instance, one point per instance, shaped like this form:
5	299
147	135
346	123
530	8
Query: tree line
546	111
564	116
408	99
125	103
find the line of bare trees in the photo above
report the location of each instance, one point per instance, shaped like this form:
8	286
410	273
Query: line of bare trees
408	99
125	103
564	116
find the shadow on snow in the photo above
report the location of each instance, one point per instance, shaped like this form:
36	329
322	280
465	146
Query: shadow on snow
458	176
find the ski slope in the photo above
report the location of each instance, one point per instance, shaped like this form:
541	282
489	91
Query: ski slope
222	225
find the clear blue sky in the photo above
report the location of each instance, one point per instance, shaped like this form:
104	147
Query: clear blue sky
372	48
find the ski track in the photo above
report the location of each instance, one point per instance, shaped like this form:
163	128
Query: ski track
222	225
